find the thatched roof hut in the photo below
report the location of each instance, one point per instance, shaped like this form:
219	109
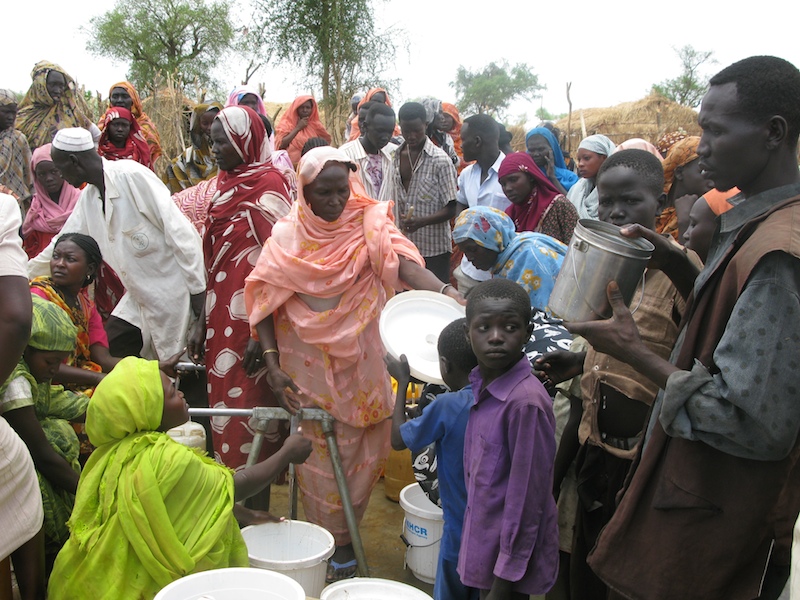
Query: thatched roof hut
648	118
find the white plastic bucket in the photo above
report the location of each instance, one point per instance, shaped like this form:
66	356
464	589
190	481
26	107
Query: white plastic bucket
369	588
422	530
297	549
189	434
233	584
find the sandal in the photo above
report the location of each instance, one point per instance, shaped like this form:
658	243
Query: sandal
339	571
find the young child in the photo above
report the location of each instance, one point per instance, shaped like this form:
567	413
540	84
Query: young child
509	545
444	422
615	397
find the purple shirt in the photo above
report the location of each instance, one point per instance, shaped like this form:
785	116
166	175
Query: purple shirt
511	522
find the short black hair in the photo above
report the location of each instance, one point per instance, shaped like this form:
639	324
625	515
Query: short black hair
311	143
483	126
367	105
412	110
90	248
379	108
455	347
500	288
766	86
641	161
267	124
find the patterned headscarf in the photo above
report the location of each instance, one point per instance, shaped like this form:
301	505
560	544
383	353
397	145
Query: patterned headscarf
7	97
51	329
128	400
136	147
14	156
668	140
533	260
680	155
40	116
147	126
248	181
239	92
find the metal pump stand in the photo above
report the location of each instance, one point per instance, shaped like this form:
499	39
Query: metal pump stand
262	415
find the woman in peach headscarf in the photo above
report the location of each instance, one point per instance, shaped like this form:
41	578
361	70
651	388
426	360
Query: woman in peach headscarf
300	124
124	95
314	298
683	184
451	125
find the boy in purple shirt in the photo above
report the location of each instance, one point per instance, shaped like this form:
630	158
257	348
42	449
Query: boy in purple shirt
444	421
509	545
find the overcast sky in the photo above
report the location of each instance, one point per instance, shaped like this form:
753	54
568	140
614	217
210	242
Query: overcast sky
612	52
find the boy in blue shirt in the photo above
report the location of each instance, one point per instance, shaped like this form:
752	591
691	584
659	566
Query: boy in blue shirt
444	421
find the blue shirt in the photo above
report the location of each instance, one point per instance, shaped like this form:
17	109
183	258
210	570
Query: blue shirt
444	421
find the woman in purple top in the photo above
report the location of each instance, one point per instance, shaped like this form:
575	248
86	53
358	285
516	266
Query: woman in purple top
509	545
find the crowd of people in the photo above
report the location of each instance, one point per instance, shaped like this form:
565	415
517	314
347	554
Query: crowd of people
648	456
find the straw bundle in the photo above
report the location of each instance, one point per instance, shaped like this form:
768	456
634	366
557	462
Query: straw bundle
648	118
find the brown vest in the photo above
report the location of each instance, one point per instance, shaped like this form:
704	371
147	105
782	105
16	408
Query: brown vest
696	523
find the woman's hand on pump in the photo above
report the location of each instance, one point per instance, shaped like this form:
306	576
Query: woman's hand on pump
297	448
197	342
279	381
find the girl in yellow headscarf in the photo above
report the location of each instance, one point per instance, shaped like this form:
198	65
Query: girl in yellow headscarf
148	510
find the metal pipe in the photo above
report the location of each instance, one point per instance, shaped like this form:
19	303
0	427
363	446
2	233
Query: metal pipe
344	493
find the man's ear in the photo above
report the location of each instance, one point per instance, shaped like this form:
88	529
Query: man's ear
778	130
445	366
677	174
661	204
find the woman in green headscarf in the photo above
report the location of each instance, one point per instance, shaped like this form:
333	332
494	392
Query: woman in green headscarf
39	412
148	510
52	103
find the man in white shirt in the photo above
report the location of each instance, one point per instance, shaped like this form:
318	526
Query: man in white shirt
21	514
478	184
144	238
373	151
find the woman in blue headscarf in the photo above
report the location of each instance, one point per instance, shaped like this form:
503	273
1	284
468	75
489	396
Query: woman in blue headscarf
546	153
488	239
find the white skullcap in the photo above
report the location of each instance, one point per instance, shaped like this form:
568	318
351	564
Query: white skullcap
73	139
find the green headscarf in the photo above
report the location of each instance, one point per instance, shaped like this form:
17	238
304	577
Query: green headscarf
128	400
52	329
148	510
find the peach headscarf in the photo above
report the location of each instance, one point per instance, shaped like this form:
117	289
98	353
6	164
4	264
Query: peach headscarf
315	128
718	201
355	130
356	258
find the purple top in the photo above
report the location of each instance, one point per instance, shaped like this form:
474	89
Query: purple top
511	522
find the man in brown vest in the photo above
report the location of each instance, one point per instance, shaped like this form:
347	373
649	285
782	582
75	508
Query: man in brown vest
708	508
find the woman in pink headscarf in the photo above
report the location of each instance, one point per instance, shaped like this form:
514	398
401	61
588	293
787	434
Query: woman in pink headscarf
536	205
122	138
52	203
315	299
251	196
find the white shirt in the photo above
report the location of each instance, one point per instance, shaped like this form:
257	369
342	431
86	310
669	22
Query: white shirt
154	249
21	512
359	156
471	192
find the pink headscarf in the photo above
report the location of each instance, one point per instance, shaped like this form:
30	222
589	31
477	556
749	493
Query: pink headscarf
44	214
242	90
526	217
640	144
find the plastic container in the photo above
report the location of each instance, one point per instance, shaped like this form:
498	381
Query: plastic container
233	584
422	529
297	549
189	434
597	254
369	588
398	473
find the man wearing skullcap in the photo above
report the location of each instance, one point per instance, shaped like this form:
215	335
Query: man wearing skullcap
144	238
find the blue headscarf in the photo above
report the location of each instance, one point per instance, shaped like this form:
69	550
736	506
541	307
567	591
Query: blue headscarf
565	177
533	260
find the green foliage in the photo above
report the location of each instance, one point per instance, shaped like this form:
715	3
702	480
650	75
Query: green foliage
492	89
545	115
334	43
690	86
184	38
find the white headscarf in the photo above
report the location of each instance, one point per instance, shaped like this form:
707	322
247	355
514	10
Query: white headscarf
583	194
